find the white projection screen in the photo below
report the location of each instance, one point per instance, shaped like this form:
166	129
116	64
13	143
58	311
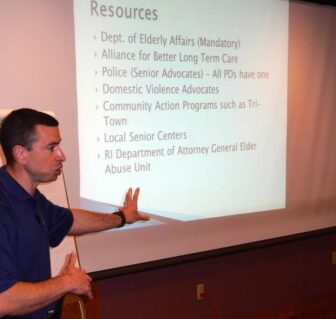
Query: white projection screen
222	112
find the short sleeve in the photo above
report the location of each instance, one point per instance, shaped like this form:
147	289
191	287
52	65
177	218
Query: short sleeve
58	220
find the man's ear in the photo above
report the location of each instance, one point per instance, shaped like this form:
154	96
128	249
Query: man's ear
19	153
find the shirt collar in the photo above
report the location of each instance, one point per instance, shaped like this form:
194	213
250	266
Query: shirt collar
13	187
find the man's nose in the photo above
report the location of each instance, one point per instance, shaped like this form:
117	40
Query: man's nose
60	155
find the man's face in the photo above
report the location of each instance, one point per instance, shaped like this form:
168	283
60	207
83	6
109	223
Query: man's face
44	160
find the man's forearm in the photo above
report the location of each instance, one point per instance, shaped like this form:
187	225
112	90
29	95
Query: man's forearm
89	222
23	297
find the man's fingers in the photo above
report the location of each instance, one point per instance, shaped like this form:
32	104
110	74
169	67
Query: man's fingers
136	194
69	262
130	207
73	259
89	295
143	217
128	195
65	266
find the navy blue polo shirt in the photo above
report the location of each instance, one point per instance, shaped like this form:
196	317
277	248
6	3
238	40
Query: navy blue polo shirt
28	226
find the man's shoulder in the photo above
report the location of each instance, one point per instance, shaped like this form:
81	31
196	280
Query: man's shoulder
4	183
5	197
6	211
7	218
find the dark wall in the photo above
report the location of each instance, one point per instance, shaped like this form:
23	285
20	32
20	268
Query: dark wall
237	285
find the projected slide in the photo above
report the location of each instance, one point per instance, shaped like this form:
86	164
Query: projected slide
185	99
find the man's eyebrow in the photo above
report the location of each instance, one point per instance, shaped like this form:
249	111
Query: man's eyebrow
53	143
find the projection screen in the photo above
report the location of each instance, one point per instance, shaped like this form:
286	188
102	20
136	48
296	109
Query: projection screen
222	113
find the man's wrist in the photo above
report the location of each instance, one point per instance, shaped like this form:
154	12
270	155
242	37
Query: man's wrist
122	217
65	282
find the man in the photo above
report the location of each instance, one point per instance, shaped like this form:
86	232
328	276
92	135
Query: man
29	223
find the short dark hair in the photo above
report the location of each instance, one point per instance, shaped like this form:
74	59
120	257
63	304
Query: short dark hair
18	128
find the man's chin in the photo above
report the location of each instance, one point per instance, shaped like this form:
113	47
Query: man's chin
49	179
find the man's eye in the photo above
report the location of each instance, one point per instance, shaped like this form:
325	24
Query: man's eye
51	148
